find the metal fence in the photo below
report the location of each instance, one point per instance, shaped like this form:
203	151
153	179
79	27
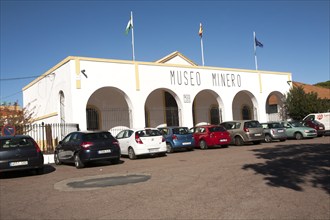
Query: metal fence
46	135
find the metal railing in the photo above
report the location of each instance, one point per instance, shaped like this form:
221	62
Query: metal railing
47	136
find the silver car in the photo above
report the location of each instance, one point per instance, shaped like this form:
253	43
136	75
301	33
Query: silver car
274	131
244	131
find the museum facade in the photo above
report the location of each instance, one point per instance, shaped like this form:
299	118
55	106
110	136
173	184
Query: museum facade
107	94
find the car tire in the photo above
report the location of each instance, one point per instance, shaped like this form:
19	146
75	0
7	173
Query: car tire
169	148
131	153
238	141
57	159
268	138
203	145
298	136
77	162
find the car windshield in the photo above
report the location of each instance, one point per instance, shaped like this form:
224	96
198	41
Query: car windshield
217	129
16	142
181	130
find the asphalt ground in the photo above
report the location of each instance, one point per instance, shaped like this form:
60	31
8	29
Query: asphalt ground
279	180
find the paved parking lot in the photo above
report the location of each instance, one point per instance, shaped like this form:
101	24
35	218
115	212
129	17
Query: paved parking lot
280	180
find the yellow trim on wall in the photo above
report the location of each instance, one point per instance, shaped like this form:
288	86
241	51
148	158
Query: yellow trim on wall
260	82
137	77
45	116
78	80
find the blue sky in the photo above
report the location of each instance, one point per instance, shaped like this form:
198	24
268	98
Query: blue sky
36	35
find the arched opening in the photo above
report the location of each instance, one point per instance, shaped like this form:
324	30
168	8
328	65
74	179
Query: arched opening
245	106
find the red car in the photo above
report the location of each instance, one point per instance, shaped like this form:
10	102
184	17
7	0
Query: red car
210	135
318	126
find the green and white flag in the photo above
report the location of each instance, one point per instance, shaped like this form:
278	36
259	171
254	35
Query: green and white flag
129	25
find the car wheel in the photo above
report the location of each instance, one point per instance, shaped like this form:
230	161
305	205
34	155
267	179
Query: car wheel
268	138
169	148
131	153
202	145
57	159
238	141
298	136
77	162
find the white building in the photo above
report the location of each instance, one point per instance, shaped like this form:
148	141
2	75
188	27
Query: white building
106	94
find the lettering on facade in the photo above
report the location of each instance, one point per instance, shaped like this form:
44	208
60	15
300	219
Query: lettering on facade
226	80
190	78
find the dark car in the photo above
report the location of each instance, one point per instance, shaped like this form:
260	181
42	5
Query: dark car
20	152
210	135
82	147
177	138
318	126
274	131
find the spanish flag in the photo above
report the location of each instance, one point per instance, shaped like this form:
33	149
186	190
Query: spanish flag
200	32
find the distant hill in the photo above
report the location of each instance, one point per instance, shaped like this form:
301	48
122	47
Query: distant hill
323	84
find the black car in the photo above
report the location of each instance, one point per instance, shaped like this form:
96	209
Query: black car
82	147
20	152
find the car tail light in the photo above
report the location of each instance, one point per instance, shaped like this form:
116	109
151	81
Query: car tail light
163	139
246	129
211	135
272	131
115	143
36	146
138	139
86	144
174	137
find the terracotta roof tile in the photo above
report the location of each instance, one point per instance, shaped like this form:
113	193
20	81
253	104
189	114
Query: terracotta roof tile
322	93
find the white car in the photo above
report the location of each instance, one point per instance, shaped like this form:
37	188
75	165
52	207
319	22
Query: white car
135	142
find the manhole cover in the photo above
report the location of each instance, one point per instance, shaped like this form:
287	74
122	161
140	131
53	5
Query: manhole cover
100	181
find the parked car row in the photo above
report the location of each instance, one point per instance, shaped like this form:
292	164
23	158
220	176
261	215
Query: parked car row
21	152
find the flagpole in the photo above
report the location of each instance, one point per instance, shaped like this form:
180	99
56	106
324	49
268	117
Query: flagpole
255	50
132	36
202	48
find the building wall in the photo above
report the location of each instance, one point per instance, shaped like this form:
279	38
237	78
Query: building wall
137	85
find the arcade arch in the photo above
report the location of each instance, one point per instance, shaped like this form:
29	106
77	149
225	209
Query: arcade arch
245	106
207	108
275	106
108	108
162	108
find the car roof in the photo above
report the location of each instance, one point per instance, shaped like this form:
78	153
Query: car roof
16	136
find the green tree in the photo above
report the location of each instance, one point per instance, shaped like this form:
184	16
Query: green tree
298	104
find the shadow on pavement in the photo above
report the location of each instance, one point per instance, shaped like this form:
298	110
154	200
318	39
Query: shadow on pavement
25	173
291	166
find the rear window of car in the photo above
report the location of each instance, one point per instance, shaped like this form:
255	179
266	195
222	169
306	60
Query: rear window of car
217	129
98	136
181	130
252	124
276	125
16	142
149	133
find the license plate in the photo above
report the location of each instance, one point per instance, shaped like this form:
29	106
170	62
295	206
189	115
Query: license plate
186	143
153	150
223	140
18	163
280	131
321	128
104	151
257	135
